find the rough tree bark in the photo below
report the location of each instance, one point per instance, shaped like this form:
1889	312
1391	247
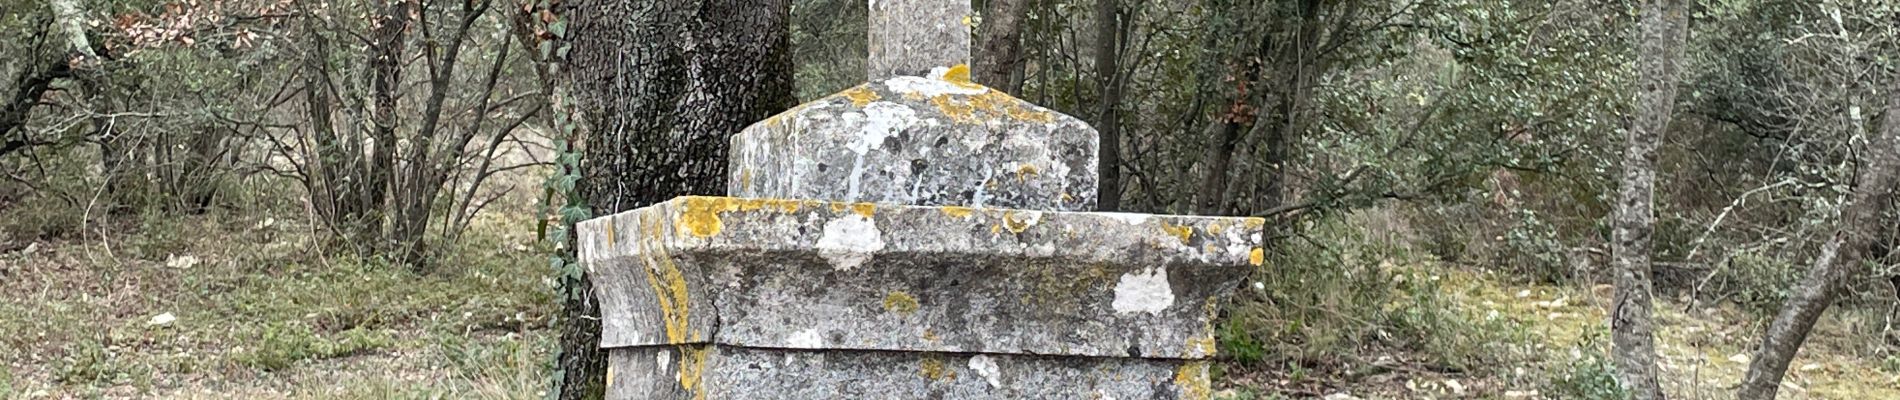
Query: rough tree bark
664	85
1853	238
999	46
68	23
1108	122
1633	344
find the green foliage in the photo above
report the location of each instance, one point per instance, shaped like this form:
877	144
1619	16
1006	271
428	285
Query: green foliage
1757	283
90	363
283	345
571	209
1237	344
828	47
1588	375
1532	249
1335	293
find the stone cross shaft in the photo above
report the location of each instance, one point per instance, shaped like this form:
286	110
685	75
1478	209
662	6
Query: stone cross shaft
911	37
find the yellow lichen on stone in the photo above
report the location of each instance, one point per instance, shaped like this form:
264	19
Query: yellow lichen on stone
1256	256
1203	343
779	119
900	302
1183	231
932	368
1215	228
610	376
1192	382
745	179
1254	222
1061	290
692	369
1020	112
1014	223
701	215
667	282
959	74
864	209
610	231
1027	170
959	111
931	336
748	204
955	211
861	95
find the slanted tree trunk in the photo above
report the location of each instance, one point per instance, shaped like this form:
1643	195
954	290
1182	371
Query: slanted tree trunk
664	84
999	46
1108	121
1633	343
1853	238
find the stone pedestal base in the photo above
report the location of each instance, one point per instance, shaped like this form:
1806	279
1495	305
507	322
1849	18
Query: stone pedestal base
726	372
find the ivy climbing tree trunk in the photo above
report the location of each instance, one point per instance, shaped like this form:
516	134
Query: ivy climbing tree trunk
662	85
1840	256
1633	342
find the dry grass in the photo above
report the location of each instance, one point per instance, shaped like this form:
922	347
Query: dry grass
262	314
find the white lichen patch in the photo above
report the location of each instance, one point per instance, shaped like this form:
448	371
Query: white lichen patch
1238	247
662	358
881	121
986	368
931	87
1146	291
849	241
806	339
1127	218
1028	217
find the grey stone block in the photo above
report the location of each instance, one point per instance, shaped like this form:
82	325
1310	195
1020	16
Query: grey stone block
734	373
920	141
833	275
910	37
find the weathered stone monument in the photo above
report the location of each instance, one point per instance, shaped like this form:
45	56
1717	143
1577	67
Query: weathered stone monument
913	237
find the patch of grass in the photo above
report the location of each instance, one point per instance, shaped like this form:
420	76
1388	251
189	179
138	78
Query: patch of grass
283	345
1587	375
89	363
261	310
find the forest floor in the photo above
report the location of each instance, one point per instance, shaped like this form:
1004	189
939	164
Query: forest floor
1558	331
221	307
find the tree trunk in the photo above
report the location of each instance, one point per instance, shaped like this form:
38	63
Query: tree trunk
1108	122
37	76
664	84
1840	256
999	46
1296	68
1633	343
386	53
